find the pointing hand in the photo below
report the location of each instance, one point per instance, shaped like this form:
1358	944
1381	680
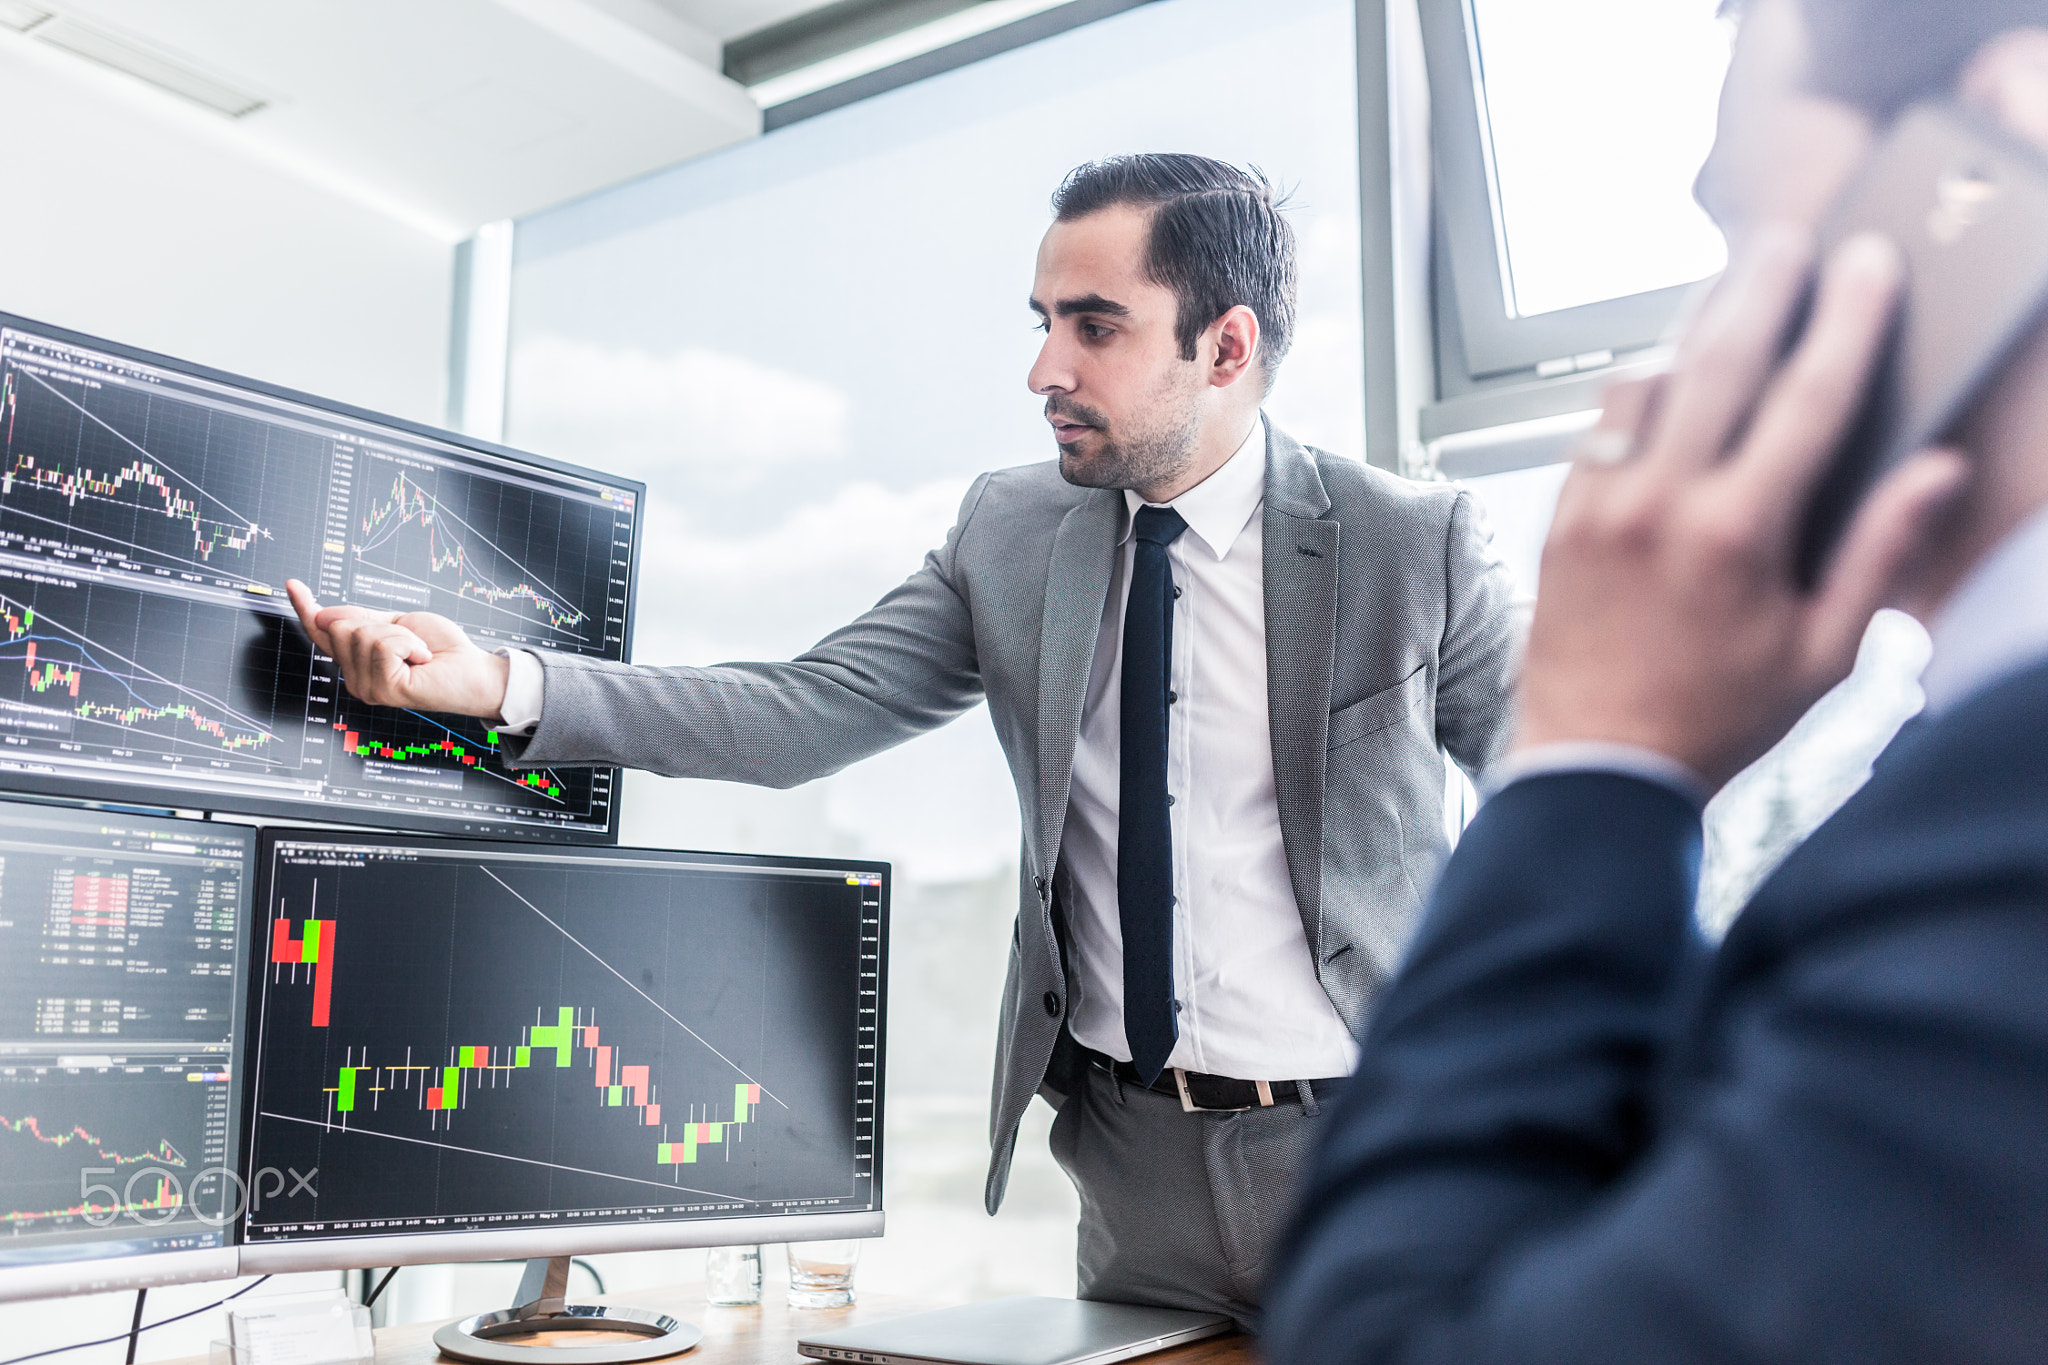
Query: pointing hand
412	659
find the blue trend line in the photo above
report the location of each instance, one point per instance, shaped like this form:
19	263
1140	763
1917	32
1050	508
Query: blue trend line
96	666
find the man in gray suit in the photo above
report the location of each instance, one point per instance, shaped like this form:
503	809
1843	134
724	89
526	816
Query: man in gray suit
1224	669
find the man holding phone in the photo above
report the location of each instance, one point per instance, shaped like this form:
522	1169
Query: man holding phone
1578	1133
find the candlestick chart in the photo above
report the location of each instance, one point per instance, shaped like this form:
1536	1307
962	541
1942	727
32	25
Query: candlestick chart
113	672
141	479
162	1152
457	757
312	949
507	561
512	1037
142	1135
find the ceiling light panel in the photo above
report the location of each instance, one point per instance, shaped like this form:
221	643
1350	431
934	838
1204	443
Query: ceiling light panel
20	16
135	58
467	110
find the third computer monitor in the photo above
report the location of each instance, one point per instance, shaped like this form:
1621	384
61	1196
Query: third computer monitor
121	961
150	513
490	1050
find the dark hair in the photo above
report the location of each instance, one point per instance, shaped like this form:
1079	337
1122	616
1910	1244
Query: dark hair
1218	239
1882	55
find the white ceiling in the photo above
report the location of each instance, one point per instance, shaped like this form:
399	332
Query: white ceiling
451	113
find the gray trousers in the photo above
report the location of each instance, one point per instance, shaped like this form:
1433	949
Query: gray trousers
1178	1210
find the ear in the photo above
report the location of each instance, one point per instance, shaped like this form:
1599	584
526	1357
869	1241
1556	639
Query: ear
1232	346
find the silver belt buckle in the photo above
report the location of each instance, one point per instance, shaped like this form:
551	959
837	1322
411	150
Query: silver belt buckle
1188	1105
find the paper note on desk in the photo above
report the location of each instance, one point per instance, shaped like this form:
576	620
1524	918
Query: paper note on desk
318	1329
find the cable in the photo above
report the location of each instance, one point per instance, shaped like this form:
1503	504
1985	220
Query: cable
388	1276
135	1325
591	1271
108	1341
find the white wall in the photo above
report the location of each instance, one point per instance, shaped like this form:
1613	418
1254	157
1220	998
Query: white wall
127	214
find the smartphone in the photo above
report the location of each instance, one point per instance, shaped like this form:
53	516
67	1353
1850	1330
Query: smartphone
1967	203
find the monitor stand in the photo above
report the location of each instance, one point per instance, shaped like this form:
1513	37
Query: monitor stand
493	1338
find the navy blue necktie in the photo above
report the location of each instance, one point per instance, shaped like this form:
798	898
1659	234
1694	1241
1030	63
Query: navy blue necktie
1144	861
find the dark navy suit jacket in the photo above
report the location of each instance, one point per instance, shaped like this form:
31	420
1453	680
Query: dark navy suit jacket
1579	1134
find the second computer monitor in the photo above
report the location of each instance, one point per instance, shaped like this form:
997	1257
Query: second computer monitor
489	1050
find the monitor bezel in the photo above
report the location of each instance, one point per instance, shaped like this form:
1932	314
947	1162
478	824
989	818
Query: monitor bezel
426	1248
169	800
90	1274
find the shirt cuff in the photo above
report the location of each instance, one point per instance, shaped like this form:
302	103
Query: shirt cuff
523	693
1594	756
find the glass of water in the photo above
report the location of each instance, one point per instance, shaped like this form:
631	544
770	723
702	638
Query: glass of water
821	1273
732	1276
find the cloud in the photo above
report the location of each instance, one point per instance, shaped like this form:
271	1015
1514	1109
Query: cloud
769	590
725	418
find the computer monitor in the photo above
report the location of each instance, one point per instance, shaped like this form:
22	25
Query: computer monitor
464	1050
121	986
150	513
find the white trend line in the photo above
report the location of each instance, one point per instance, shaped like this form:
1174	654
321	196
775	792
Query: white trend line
204	566
522	617
502	1156
153	457
441	509
635	989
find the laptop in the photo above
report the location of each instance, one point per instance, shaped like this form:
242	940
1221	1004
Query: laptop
1017	1331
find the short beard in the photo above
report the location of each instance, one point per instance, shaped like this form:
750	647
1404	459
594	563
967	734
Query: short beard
1151	457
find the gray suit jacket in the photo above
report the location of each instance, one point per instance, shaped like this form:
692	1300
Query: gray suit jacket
1390	638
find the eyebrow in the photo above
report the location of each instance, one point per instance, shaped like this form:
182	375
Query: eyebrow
1087	303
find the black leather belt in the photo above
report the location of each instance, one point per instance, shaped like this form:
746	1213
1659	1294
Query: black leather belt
1198	1091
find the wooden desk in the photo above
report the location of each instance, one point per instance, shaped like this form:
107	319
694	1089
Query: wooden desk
766	1335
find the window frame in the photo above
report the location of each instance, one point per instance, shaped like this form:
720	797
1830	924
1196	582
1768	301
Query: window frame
1483	340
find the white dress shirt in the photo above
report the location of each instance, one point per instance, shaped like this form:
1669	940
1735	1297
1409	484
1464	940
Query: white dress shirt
1996	623
524	689
1251	1006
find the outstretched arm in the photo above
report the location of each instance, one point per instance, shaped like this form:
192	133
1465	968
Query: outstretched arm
908	665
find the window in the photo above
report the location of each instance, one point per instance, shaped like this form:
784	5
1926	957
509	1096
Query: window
1567	136
1770	807
1589	206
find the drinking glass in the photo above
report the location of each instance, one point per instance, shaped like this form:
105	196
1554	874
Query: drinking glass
732	1276
821	1273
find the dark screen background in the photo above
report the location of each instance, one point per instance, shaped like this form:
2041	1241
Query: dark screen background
708	978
